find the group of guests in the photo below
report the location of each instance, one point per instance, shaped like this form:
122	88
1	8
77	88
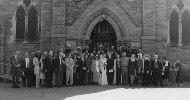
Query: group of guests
124	66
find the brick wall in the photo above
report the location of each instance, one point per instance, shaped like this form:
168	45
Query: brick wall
140	23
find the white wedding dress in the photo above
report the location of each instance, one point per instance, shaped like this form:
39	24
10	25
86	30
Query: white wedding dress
103	76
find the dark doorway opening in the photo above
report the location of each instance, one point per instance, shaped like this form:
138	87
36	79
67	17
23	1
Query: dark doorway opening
102	34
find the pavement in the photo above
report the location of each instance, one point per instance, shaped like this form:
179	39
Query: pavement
95	92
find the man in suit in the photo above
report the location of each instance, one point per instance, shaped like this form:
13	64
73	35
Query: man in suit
128	52
157	70
26	70
33	77
60	63
110	71
48	69
15	62
89	77
124	66
55	68
120	51
68	49
81	69
69	70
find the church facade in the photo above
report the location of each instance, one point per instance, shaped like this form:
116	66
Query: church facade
156	26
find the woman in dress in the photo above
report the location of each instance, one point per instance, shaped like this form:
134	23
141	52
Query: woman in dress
117	70
95	69
132	66
102	66
173	73
37	62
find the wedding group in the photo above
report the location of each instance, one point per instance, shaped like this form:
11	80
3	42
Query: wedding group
101	66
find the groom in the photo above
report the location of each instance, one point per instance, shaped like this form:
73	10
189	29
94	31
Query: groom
110	72
15	62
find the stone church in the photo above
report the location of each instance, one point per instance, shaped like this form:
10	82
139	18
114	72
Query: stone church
156	26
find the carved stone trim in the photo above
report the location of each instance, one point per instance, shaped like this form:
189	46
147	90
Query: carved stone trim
80	12
103	14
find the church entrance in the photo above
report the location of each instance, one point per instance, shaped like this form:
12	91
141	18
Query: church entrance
103	34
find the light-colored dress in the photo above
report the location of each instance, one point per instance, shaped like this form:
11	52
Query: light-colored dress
103	76
114	68
36	64
95	70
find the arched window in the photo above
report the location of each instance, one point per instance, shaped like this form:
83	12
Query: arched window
20	23
32	24
186	28
174	28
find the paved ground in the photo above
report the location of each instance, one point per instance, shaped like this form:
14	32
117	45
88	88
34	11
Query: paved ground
90	92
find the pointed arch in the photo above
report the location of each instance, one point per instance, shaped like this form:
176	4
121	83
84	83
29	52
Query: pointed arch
103	28
98	15
20	23
186	27
27	2
32	24
174	27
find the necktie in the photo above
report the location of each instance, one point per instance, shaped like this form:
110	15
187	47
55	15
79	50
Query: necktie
16	59
26	63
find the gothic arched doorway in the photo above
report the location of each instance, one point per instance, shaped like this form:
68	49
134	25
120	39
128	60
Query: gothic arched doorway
103	34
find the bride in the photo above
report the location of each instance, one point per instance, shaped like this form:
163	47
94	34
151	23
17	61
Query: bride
102	67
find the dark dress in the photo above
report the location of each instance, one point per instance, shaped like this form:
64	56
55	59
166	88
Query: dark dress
147	72
118	71
132	66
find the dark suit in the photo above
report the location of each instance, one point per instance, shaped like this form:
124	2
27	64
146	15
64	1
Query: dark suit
89	74
27	72
110	73
33	76
15	70
157	68
48	69
60	64
147	71
81	71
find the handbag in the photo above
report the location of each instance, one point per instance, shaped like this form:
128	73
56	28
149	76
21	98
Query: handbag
42	76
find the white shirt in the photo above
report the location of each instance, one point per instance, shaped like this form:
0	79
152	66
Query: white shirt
167	63
60	59
27	62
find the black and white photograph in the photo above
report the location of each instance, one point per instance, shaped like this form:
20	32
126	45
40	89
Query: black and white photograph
94	49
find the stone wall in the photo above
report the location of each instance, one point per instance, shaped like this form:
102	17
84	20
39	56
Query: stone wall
46	24
178	52
148	37
58	28
141	24
128	19
7	19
